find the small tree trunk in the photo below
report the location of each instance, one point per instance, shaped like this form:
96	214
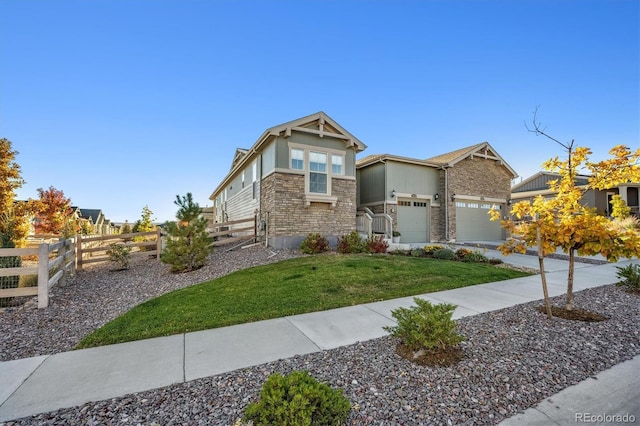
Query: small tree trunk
569	306
547	303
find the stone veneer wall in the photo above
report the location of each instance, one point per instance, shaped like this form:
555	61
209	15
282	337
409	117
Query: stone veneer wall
477	177
289	220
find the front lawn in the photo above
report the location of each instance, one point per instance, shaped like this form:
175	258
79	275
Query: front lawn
290	287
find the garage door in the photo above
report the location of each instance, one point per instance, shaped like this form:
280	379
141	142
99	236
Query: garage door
473	224
413	221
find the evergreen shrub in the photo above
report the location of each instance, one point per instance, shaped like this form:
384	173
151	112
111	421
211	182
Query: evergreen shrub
425	326
444	254
297	399
630	277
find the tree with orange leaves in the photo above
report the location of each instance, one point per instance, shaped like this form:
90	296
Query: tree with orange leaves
55	212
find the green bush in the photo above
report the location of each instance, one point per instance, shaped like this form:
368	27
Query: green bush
297	399
417	252
350	243
189	244
444	254
629	276
425	326
314	243
120	254
376	244
475	257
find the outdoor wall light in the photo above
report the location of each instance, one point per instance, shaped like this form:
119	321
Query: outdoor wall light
436	196
393	193
453	197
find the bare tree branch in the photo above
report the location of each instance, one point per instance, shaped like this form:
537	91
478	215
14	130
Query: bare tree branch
539	131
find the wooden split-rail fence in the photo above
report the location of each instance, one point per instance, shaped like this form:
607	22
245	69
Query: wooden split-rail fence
59	260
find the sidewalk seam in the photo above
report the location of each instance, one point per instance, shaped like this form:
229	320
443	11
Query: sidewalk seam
303	333
24	381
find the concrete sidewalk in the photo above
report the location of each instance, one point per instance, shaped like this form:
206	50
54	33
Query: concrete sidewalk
45	383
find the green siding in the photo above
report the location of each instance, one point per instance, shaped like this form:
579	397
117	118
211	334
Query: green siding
371	183
411	179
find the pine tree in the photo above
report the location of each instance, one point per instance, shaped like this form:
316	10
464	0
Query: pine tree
188	245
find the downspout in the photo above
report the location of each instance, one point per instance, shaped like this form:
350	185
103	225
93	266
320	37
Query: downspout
446	203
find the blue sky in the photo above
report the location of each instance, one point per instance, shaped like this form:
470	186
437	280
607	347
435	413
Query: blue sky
127	103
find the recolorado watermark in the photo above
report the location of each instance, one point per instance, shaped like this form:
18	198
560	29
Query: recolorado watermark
605	418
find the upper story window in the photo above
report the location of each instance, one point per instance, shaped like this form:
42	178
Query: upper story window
336	164
297	159
319	166
318	172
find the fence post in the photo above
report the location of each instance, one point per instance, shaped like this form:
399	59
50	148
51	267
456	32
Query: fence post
43	276
79	252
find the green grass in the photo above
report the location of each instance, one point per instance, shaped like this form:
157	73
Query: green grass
290	287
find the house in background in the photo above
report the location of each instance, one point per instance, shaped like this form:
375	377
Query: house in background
298	177
97	220
443	198
538	184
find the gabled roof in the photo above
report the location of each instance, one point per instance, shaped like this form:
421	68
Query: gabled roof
240	154
381	158
92	214
540	182
319	124
481	150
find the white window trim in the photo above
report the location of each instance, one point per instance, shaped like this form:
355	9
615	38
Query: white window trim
313	196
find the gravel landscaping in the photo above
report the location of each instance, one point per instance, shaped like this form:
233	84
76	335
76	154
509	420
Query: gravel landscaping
514	357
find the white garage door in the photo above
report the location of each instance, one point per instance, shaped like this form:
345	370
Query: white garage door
413	220
473	222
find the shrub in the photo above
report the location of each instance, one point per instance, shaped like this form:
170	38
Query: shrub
417	252
630	277
429	250
350	243
494	261
425	326
376	244
314	243
444	254
475	257
461	253
189	244
297	399
120	254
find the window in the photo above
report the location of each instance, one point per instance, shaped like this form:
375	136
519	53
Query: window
318	172
404	203
336	164
419	204
319	166
297	159
243	179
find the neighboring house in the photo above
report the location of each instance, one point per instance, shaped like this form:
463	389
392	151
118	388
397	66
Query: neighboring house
298	177
538	184
100	224
443	198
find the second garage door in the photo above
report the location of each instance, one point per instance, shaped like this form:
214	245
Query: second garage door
413	220
473	224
